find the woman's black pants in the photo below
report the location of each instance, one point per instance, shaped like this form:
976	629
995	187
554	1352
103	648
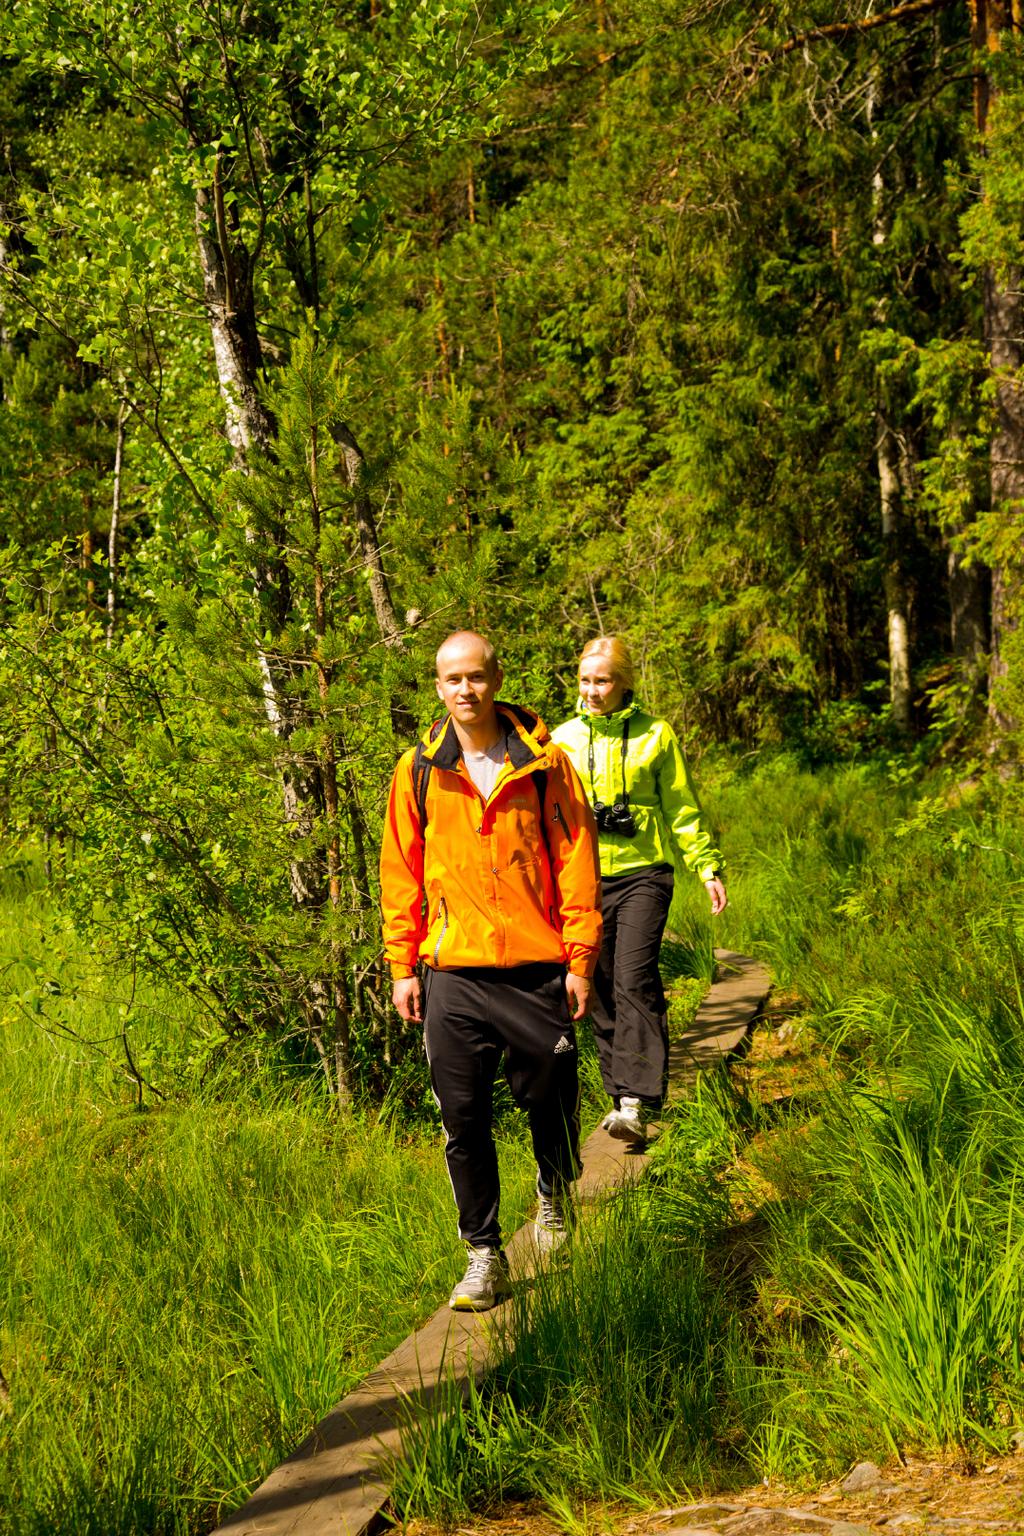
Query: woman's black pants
628	1011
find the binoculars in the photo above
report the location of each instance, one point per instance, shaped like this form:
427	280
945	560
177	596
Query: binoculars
616	818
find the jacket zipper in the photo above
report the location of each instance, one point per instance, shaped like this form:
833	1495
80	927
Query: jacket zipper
442	906
561	819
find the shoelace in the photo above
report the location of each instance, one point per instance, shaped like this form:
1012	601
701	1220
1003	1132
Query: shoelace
550	1214
479	1266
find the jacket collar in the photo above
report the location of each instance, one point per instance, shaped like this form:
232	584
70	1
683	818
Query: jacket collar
526	738
611	724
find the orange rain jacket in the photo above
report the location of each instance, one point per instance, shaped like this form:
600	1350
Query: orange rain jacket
484	883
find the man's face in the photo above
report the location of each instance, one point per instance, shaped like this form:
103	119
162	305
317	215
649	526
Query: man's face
467	684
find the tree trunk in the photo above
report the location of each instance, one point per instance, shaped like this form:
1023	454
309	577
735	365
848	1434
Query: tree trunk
968	592
991	21
227	269
6	345
1004	324
340	1002
115	518
230	305
890	490
403	720
897	629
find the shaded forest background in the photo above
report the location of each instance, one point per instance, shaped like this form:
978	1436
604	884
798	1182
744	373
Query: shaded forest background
324	331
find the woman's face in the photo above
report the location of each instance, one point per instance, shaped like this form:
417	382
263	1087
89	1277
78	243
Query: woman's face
600	689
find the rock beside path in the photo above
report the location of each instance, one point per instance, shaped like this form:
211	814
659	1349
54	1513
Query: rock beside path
866	1478
755	1520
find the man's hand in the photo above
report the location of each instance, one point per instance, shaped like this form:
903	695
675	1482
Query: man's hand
407	996
716	890
577	990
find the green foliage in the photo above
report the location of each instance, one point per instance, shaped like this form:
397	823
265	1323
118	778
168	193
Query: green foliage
597	383
892	1230
153	765
614	312
204	723
928	1305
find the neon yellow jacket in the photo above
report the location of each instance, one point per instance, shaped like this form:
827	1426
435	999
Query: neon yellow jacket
661	793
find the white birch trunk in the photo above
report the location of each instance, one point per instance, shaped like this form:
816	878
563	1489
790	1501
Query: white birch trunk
887	453
250	428
897	628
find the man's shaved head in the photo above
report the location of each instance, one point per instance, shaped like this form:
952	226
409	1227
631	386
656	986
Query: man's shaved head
462	641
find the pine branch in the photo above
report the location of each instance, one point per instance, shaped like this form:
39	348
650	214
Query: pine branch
867	24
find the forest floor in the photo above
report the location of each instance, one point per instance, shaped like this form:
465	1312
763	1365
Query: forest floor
920	1498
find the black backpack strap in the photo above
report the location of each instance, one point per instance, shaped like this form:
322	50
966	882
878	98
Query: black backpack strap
540	780
421	766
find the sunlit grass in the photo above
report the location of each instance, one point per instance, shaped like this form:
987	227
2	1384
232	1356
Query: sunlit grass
859	1260
186	1290
615	1383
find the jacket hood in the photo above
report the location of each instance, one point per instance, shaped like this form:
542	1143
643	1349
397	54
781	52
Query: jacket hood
526	738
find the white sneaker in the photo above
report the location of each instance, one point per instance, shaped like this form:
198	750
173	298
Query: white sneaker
629	1121
553	1221
485	1283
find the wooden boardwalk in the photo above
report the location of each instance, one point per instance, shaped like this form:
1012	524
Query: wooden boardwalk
333	1483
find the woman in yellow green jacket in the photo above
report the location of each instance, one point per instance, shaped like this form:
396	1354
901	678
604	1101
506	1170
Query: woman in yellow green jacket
647	811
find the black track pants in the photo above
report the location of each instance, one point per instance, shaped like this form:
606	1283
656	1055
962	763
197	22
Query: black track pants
475	1016
628	1011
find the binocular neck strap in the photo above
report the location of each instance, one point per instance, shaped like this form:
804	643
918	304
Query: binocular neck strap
622	761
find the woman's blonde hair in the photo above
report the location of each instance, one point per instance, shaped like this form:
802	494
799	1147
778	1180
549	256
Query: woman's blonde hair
617	654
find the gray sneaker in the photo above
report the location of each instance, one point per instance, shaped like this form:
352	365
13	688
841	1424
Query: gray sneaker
554	1219
629	1121
485	1283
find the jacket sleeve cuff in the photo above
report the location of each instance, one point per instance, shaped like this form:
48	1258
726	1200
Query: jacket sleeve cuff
583	963
401	972
712	872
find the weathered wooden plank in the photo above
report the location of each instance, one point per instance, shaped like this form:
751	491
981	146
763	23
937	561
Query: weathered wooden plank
334	1481
723	1019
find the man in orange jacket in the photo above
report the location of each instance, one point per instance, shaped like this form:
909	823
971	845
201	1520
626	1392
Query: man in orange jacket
490	881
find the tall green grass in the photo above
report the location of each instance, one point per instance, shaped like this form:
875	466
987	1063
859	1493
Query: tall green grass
615	1381
796	1290
185	1291
891	1246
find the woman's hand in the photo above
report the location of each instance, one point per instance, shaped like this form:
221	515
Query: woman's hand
716	890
